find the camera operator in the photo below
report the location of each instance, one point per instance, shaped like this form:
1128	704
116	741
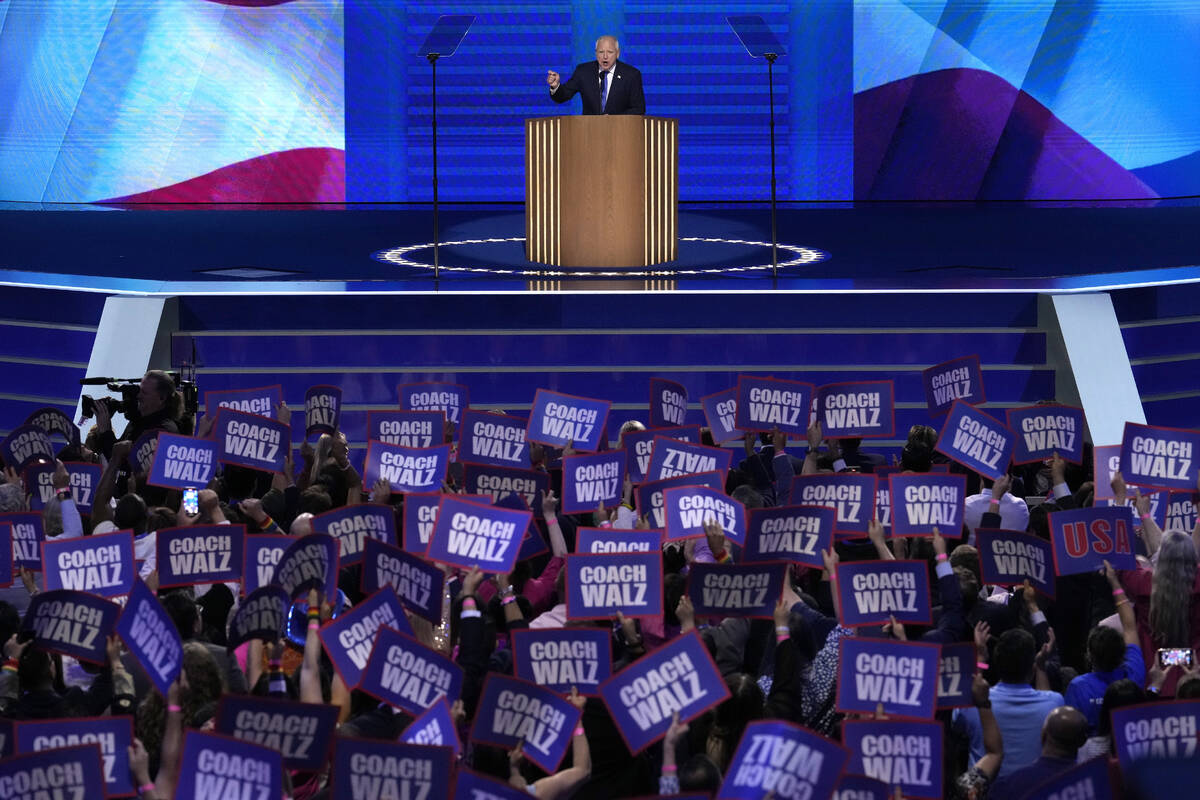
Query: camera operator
159	408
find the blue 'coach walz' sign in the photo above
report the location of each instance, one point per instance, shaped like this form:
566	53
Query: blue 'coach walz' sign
495	439
557	419
406	469
976	441
764	404
248	440
182	461
598	586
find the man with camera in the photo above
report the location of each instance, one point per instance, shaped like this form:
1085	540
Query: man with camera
159	408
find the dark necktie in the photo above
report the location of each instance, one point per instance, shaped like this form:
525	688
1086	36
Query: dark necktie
603	91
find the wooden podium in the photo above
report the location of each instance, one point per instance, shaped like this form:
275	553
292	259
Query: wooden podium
601	191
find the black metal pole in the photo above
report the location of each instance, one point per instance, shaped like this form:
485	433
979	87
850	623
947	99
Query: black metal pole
771	94
433	57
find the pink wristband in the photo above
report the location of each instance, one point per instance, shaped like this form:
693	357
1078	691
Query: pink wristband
174	709
942	557
1117	592
781	637
145	787
469	602
605	524
578	731
669	768
982	666
512	598
1147	516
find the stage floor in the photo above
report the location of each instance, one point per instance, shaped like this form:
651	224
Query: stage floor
857	247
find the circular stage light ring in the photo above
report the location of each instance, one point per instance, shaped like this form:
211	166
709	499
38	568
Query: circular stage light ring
401	257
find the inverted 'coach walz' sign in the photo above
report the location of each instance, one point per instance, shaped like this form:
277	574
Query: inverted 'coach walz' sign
557	419
639	445
670	458
248	440
764	404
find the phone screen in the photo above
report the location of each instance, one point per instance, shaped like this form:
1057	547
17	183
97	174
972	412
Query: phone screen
191	502
1175	657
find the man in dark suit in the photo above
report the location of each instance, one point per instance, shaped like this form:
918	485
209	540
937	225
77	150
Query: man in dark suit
606	85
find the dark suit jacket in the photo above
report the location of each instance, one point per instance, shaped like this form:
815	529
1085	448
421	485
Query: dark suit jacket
624	92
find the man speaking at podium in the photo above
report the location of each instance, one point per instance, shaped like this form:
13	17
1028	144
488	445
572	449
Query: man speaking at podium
606	85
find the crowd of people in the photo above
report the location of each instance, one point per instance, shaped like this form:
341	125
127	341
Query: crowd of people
1050	674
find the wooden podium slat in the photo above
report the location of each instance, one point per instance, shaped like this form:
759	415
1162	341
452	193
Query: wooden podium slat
601	191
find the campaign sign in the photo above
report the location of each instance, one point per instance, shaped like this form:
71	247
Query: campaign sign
651	499
1163	458
25	445
670	458
180	462
561	658
470	785
976	440
1105	461
200	554
420	510
790	533
262	615
904	754
668	403
598	586
76	624
215	765
764	404
469	534
6	554
512	711
960	379
1007	558
640	444
262	554
262	400
496	482
249	440
353	525
883	503
609	540
74	772
449	398
591	480
51	421
349	637
1044	430
301	732
496	439
902	676
112	734
860	409
782	760
434	728
679	677
407	674
150	635
310	562
871	591
852	494
322	409
1181	513
1084	538
27	537
1156	730
689	507
416	582
923	502
365	769
406	469
1089	779
860	787
720	412
1159	500
103	564
556	419
956	671
406	428
141	457
85	478
736	590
